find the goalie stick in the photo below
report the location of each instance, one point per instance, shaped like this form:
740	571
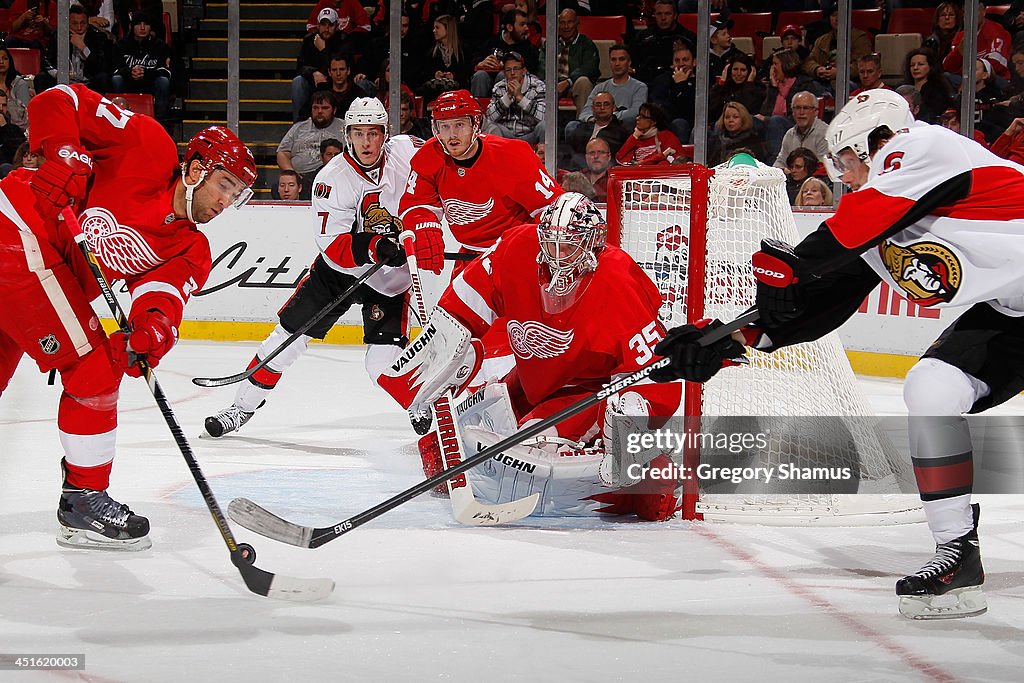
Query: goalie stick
258	519
249	372
243	556
465	507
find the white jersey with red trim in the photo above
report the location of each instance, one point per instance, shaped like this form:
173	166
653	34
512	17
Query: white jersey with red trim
609	332
506	185
348	199
967	250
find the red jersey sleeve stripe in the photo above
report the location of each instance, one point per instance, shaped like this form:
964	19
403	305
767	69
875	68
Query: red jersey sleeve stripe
474	304
866	214
340	251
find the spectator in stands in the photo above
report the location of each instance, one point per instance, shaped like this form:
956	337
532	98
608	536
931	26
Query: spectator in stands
869	68
143	65
475	19
535	32
313	63
123	10
447	68
11	138
947	23
921	69
18	89
1013	19
300	147
24	158
993	44
733	130
793	39
579	64
808	130
514	37
603	124
340	84
821	63
101	15
990	118
408	124
31	28
676	92
739	85
1010	145
91	56
815	192
951	119
800	165
913	98
651	142
652	47
576	181
352	17
599	160
1014	93
627	92
330	148
720	48
289	186
776	115
517	106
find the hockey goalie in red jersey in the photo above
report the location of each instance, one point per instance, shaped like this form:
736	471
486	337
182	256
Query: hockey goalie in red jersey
138	207
480	184
579	314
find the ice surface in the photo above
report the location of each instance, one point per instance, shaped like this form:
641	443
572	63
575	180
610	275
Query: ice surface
419	598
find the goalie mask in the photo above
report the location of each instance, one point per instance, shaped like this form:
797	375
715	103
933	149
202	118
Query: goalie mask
853	125
571	233
365	111
217	147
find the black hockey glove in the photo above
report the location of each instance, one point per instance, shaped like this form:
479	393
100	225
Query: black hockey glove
369	248
690	360
776	268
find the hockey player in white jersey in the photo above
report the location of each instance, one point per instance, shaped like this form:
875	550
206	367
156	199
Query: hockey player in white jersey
940	219
355	208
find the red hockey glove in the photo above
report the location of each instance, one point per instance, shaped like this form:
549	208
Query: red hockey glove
690	360
151	338
370	248
430	249
779	297
61	180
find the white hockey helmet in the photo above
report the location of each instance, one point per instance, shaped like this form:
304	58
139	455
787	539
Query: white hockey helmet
571	233
855	122
365	111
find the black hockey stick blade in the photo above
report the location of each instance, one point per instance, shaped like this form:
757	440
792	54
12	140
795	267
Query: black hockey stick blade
249	372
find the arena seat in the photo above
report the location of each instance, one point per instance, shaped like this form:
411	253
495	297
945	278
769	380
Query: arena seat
911	20
894	48
27	60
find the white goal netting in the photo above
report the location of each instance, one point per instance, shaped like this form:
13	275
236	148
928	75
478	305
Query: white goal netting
826	421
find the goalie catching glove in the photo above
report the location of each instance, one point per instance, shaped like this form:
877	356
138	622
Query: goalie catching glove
776	268
696	363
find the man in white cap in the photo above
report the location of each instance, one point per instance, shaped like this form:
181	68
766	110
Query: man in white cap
314	61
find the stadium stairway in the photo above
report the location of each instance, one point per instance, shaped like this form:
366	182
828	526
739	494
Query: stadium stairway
271	33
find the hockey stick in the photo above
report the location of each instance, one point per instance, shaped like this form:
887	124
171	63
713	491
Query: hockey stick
249	372
253	517
242	555
450	255
465	507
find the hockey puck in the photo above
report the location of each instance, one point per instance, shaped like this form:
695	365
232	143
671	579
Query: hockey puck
247	553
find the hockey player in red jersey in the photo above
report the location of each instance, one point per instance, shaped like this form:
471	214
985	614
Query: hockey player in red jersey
941	220
138	208
481	184
579	313
355	197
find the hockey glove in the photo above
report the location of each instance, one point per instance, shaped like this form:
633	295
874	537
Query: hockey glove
61	180
369	248
430	249
690	360
153	334
778	283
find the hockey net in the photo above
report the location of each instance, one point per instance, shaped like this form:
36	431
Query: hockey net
693	230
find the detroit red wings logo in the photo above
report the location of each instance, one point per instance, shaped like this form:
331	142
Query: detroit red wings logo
119	247
459	212
534	340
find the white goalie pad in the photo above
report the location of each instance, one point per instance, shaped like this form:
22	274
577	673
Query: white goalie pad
490	408
625	417
443	355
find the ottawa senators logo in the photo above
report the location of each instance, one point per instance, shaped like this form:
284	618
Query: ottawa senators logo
322	191
376	313
927	272
891	163
376	218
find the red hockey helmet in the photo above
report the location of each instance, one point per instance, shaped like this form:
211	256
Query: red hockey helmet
218	146
455	104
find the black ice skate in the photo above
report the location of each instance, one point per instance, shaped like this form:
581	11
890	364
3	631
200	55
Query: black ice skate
949	585
226	421
92	519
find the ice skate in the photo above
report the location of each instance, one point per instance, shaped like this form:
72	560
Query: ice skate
949	585
92	519
226	421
